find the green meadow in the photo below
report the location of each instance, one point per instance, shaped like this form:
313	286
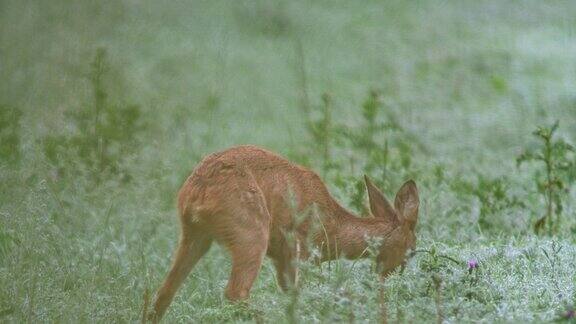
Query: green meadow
107	106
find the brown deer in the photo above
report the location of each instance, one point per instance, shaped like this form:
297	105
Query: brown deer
248	200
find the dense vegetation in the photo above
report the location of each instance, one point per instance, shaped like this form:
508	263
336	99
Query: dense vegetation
105	108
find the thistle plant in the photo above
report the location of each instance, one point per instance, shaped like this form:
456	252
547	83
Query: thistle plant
558	159
373	136
103	133
9	134
494	194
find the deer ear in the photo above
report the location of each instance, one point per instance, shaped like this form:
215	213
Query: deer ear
379	206
406	203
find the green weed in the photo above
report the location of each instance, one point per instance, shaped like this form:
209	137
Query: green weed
559	160
10	134
103	133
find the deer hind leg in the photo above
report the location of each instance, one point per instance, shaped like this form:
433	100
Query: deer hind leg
246	263
194	243
243	228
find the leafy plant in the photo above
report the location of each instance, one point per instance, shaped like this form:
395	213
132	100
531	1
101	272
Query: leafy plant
376	145
7	241
322	133
558	158
9	134
374	136
103	134
494	196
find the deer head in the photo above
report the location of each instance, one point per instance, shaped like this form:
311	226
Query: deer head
400	222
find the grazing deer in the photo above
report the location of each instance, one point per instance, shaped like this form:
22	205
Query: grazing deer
241	198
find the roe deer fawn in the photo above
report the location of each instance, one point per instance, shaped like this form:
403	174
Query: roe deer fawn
240	198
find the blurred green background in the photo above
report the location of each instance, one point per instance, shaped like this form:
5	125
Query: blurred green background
106	107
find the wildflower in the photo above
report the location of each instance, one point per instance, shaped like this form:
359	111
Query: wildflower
472	265
570	314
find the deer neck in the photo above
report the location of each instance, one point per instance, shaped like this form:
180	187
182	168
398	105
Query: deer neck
347	234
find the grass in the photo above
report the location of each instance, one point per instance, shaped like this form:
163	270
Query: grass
466	82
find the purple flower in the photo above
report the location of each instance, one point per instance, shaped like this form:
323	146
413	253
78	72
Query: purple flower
571	314
472	264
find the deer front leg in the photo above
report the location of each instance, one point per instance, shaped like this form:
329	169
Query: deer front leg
287	264
286	274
